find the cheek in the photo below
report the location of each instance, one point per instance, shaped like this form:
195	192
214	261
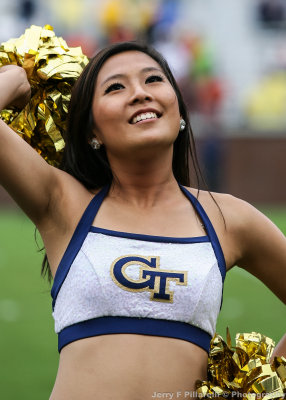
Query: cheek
171	98
108	122
106	111
174	110
105	114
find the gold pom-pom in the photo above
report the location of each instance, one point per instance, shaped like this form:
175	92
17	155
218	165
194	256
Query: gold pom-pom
244	371
52	69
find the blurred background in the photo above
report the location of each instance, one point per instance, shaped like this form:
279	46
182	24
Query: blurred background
229	59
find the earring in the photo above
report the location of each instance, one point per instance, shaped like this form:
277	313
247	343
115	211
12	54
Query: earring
94	143
182	124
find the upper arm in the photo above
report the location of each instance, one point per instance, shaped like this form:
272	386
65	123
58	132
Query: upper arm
262	247
28	178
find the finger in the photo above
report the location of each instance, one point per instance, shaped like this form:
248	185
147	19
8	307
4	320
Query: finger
9	67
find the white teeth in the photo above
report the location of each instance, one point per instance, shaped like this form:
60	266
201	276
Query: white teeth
141	117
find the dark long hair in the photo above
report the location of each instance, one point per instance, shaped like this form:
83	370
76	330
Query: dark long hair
91	167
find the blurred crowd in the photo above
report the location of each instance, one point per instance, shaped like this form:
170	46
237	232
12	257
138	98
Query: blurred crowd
155	21
229	59
193	55
272	13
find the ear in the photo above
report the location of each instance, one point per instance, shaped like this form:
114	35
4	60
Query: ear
95	137
182	124
94	134
94	143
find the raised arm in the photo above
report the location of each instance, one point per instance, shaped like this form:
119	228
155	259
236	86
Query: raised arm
23	173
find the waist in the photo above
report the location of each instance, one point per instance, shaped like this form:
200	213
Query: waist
127	366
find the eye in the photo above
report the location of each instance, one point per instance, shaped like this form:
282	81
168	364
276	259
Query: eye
113	87
154	78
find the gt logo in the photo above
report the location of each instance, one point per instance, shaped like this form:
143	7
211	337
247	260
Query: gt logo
151	277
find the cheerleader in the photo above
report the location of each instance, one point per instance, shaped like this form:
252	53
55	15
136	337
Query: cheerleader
137	253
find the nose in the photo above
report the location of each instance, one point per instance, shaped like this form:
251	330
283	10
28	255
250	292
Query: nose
140	94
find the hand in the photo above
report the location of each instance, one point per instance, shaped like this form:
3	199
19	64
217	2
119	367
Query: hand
14	87
280	349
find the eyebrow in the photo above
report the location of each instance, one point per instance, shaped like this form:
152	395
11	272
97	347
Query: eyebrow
120	76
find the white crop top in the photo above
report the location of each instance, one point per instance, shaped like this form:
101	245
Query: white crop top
112	282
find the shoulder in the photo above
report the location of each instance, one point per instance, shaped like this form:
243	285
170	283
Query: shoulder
238	214
233	211
240	226
248	238
255	242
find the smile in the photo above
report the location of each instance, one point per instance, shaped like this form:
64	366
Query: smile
143	116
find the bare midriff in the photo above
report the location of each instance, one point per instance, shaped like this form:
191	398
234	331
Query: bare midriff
129	367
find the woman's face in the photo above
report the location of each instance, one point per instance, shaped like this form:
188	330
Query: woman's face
134	105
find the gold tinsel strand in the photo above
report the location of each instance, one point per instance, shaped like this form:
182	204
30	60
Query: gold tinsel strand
52	69
243	371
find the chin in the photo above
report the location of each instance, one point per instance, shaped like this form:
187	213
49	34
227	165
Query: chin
157	138
153	145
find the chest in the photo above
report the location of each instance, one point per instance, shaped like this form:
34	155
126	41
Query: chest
179	221
139	276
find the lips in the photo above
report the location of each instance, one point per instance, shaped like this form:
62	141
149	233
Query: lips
142	115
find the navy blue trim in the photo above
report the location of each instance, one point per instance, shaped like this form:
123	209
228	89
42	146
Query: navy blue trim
142	326
85	225
149	238
76	241
210	231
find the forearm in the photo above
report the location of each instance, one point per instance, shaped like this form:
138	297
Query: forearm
23	172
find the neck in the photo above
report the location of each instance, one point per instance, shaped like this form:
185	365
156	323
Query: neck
143	183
